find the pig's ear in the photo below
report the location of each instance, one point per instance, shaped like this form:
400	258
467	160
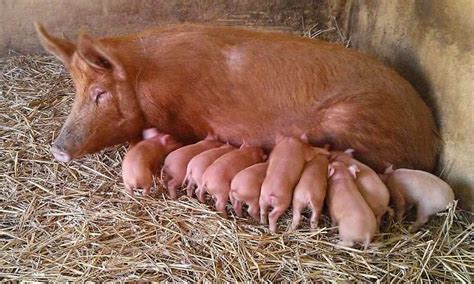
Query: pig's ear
331	171
166	139
354	169
61	48
389	169
98	57
279	136
350	152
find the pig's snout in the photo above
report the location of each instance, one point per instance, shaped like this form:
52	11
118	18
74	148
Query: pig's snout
60	154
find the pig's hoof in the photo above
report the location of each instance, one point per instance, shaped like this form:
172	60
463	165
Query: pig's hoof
347	244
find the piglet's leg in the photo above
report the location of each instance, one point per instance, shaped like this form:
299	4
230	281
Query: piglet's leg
421	219
297	208
273	218
399	202
264	207
254	210
172	187
220	206
237	205
314	220
129	189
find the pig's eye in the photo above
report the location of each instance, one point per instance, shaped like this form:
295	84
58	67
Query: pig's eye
98	95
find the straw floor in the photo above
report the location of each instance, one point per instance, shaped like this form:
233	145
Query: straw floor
73	222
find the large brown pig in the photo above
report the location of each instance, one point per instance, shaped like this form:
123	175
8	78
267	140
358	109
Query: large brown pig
189	80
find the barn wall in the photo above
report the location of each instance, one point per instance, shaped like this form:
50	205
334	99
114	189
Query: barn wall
110	17
431	44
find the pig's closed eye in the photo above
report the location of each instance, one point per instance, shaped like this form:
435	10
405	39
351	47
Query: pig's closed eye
99	95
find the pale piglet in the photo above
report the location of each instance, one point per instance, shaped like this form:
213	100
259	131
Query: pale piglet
348	210
143	158
200	163
369	183
177	161
427	192
285	165
245	189
311	189
218	176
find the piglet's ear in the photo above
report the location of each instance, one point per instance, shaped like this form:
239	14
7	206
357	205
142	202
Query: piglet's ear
99	57
166	139
331	171
353	169
304	138
350	152
61	48
389	169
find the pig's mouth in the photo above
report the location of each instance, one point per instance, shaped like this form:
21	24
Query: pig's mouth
60	155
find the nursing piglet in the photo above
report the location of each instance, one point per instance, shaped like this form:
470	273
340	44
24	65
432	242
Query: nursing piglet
370	186
285	165
177	161
218	176
199	164
427	192
348	209
245	189
311	189
143	159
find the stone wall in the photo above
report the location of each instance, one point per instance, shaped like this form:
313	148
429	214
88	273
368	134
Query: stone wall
431	43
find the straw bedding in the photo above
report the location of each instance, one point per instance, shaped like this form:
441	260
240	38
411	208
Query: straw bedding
74	222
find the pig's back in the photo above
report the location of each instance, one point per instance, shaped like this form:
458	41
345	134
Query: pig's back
263	83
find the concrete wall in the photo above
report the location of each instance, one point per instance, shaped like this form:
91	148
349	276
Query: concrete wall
110	17
430	42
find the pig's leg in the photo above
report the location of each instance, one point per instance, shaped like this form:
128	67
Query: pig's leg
273	218
200	193
129	189
297	208
146	190
172	187
315	213
346	243
221	202
398	201
237	205
264	207
253	210
421	219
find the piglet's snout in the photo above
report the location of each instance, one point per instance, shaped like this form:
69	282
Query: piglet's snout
60	154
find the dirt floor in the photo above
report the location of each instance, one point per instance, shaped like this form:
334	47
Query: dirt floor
74	222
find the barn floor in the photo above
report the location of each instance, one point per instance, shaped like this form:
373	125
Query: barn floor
72	222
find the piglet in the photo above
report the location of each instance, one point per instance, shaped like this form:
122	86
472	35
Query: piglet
311	189
370	186
218	176
143	158
245	189
177	161
427	192
199	164
348	210
285	165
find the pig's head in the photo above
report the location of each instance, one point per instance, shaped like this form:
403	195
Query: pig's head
105	111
